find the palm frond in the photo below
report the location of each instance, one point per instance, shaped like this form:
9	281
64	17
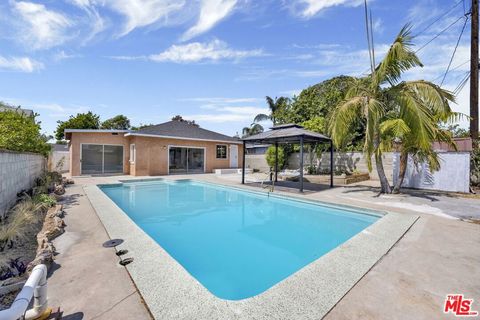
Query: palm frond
261	117
434	97
394	127
343	118
399	58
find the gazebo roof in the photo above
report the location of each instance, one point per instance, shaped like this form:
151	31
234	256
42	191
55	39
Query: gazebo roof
287	133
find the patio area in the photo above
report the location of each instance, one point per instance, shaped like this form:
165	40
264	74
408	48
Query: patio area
435	257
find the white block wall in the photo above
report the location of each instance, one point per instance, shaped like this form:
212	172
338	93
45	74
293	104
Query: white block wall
18	171
454	174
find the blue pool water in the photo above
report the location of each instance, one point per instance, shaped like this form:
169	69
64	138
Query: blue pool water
236	243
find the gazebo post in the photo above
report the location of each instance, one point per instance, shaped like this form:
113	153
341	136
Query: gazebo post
243	162
301	164
276	161
331	163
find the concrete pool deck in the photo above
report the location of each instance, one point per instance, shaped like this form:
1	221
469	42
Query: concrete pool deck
425	247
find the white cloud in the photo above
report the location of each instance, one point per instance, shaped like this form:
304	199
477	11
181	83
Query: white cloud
221	114
262	73
41	28
309	8
211	12
62	55
141	13
226	110
95	22
196	52
22	64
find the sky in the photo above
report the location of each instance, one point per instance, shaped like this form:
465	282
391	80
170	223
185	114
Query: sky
212	61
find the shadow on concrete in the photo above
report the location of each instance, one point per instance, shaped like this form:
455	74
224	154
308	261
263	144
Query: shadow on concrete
70	200
53	267
292	186
430	195
73	316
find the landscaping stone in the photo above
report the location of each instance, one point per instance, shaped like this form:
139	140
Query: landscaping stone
59	189
53	226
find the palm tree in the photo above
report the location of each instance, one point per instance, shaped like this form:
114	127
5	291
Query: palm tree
389	106
252	130
274	105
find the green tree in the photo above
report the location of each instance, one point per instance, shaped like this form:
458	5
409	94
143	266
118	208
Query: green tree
270	157
318	100
87	120
119	122
254	128
141	126
457	131
316	124
180	119
390	107
19	132
275	106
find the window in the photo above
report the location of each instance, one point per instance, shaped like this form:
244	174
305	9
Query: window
133	153
221	152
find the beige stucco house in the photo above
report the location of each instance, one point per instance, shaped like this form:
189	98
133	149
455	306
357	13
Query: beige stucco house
173	147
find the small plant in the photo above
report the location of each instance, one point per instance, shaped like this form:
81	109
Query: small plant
6	273
17	265
19	221
270	157
311	169
47	201
59	165
475	166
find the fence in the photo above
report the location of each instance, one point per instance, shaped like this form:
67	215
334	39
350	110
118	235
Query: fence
18	171
454	173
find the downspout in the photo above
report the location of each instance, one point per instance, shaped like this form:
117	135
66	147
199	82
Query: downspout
35	286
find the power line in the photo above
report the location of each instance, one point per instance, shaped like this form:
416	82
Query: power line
440	17
462	83
453	69
439	34
454	51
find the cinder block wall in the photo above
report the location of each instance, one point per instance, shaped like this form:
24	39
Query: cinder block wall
18	171
345	160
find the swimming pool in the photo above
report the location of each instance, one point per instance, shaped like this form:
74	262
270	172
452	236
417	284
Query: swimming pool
236	243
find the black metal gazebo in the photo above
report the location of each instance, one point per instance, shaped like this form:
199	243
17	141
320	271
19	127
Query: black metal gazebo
288	133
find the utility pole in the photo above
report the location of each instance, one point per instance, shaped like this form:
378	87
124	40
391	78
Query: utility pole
474	73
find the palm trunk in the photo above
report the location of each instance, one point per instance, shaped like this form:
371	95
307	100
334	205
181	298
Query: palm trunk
385	186
402	171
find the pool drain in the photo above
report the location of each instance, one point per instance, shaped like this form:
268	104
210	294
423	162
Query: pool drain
126	261
121	252
112	243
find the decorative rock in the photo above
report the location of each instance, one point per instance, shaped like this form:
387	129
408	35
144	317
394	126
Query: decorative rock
52	228
59	189
59	222
53	233
45	257
67	181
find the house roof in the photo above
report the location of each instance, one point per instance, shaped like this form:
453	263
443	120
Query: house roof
181	129
27	112
287	133
59	147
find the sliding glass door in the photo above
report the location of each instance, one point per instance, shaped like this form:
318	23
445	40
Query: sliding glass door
186	160
101	159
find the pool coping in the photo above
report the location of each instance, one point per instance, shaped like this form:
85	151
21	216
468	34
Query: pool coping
171	292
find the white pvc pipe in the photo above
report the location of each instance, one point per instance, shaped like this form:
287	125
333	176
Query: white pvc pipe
35	286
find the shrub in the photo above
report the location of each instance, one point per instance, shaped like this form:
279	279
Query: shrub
20	219
45	200
19	132
270	157
475	166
